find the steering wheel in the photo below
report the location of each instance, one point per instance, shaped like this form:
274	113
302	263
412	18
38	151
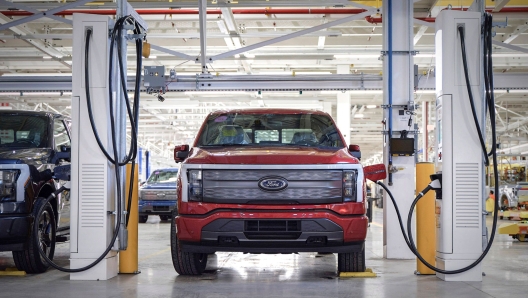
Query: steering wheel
326	137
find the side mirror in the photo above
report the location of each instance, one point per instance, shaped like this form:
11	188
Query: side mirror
355	151
181	152
58	156
375	172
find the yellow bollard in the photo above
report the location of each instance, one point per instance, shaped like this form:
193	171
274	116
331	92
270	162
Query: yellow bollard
425	219
128	259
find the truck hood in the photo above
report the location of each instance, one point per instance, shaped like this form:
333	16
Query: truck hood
32	156
167	185
269	155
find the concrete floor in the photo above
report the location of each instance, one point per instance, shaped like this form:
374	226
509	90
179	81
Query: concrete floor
302	275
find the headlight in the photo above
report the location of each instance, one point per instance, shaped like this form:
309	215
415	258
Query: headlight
195	185
350	186
8	185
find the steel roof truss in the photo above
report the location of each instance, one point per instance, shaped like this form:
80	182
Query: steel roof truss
291	35
43	14
35	11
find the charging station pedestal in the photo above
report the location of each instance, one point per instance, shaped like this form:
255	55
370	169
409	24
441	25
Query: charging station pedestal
459	219
92	176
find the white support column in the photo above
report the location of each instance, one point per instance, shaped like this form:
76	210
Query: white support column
398	90
343	107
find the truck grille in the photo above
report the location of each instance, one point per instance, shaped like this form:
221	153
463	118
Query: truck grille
242	186
158	195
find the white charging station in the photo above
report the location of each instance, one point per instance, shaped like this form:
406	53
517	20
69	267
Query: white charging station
93	178
459	219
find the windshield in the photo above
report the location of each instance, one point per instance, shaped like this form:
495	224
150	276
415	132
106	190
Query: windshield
162	177
310	130
23	131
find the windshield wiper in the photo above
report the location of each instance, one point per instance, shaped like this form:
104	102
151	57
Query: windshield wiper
224	145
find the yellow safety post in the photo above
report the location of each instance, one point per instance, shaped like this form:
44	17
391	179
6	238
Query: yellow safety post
128	259
425	219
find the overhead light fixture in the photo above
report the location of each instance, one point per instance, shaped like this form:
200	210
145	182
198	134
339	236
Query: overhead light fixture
359	115
46	57
312	72
511	91
153	57
425	91
371	106
355	56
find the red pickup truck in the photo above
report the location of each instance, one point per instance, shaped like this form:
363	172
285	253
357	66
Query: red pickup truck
269	181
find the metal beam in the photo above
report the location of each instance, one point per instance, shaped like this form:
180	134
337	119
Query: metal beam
203	35
171	52
499	4
365	83
229	26
35	11
196	35
424	23
513	125
435	10
516	32
290	36
509	46
322	39
419	34
43	14
40	45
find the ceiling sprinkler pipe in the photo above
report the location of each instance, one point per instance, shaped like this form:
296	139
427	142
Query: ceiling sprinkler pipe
378	19
264	11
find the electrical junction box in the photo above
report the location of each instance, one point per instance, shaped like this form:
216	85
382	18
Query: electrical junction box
154	77
459	218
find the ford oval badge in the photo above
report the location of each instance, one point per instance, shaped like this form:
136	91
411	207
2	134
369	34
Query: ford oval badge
273	183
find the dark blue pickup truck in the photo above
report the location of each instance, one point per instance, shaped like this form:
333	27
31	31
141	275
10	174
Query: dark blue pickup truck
158	195
30	143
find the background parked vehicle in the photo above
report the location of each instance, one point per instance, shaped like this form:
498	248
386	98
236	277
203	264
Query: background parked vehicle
157	196
29	147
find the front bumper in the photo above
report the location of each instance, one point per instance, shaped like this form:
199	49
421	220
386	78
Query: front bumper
156	207
14	232
272	232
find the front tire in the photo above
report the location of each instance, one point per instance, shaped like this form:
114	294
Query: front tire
185	263
29	260
164	217
351	262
